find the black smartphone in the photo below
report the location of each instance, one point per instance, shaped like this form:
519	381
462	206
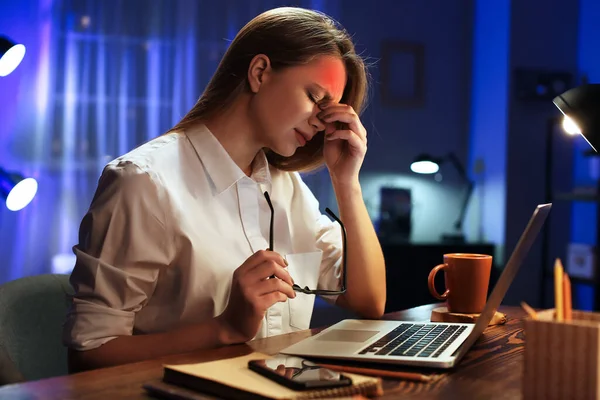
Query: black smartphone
298	374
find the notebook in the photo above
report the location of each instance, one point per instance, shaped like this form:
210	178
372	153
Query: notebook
425	344
231	378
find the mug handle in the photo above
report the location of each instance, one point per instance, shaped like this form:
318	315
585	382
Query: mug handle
430	283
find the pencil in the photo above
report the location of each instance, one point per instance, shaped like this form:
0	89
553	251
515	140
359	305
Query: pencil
558	290
567	297
411	376
532	313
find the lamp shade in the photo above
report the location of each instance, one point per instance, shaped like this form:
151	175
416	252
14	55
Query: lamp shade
425	164
16	189
11	55
581	107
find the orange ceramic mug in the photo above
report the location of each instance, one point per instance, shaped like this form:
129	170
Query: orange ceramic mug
467	279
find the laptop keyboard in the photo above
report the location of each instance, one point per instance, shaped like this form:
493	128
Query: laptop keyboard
415	340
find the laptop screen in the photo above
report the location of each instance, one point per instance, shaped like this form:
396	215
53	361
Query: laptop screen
527	239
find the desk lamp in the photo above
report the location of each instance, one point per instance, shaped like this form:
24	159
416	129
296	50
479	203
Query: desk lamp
16	189
581	108
426	164
11	55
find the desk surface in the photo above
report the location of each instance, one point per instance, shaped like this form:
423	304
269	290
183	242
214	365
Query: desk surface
492	369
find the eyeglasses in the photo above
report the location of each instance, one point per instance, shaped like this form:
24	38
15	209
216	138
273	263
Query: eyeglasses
308	366
306	290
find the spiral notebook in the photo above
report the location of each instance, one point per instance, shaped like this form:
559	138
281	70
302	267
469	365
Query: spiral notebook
231	378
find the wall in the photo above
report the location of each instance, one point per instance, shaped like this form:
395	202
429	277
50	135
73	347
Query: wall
398	134
544	36
488	125
471	109
586	169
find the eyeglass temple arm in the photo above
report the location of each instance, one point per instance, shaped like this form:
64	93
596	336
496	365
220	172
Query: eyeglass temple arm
301	290
332	215
268	198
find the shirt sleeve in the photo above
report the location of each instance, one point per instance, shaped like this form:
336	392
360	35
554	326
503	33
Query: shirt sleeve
123	245
328	237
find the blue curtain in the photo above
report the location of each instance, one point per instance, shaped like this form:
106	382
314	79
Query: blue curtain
108	75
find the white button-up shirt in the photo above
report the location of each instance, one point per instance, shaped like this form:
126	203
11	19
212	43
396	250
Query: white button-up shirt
169	224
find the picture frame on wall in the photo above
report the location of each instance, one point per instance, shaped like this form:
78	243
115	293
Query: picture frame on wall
581	261
402	73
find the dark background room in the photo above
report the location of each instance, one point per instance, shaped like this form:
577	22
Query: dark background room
464	80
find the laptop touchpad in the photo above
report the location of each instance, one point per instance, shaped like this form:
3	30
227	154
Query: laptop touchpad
346	335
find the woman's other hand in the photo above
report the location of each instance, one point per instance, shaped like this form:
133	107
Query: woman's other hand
253	291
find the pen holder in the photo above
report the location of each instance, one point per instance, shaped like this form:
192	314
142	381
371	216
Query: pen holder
562	359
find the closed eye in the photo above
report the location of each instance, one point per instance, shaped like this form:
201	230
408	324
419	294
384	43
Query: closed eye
313	98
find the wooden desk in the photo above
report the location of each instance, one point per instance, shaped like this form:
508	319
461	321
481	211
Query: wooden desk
492	369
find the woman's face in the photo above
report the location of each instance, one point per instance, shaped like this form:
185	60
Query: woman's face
286	104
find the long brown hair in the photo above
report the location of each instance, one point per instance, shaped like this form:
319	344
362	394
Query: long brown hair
288	36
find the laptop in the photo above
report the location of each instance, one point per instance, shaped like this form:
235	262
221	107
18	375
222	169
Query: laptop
423	344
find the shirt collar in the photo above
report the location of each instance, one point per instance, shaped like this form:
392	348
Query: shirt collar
261	172
221	168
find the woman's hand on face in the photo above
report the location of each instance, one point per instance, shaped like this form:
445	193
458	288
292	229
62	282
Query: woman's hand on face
253	291
345	148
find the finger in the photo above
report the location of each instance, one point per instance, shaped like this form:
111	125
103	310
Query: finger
330	128
335	106
334	115
352	138
289	373
261	256
275	285
268	269
271	298
280	369
351	119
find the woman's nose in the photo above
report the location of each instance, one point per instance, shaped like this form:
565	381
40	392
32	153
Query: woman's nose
315	122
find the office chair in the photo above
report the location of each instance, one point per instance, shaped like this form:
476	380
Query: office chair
32	312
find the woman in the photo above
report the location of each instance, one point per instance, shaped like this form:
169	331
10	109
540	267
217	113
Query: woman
174	254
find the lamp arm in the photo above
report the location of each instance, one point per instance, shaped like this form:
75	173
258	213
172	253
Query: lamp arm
459	167
463	174
463	210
